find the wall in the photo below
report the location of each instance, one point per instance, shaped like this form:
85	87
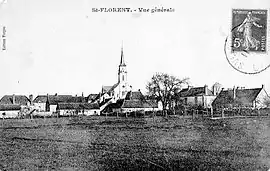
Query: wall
260	98
139	109
92	112
53	108
10	114
41	107
206	101
67	112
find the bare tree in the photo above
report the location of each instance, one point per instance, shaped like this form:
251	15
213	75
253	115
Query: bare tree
163	87
216	88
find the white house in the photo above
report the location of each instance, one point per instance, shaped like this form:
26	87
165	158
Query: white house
9	111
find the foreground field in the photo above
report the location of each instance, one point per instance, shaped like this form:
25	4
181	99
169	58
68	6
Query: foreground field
97	143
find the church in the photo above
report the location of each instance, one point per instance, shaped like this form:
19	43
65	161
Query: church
110	94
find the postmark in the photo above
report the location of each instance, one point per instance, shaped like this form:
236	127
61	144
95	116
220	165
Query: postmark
247	46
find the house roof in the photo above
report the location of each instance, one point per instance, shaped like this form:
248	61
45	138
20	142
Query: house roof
19	99
194	91
139	104
76	99
54	99
67	106
74	106
40	99
134	95
89	105
242	97
92	96
8	107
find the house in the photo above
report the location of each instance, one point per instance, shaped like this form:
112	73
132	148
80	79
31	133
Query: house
240	98
49	103
199	96
13	105
133	102
110	94
9	110
70	109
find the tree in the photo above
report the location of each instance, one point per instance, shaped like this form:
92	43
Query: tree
163	87
216	88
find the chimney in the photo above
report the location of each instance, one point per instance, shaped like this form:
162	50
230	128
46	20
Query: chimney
234	92
31	98
82	94
262	86
205	90
13	99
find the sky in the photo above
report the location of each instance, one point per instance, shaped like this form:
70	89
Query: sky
61	46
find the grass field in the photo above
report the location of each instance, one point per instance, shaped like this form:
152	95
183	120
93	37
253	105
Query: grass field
97	143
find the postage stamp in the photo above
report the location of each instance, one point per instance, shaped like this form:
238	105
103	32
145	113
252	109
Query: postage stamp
249	30
247	46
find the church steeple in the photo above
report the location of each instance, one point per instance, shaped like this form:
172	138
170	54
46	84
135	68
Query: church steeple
122	71
122	62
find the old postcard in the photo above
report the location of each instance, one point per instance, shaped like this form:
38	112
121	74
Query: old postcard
134	85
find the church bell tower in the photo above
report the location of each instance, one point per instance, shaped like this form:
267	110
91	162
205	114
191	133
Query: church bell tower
122	76
122	71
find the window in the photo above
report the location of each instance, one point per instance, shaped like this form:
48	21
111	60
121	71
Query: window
123	78
196	100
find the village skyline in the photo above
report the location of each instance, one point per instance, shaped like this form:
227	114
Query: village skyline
70	49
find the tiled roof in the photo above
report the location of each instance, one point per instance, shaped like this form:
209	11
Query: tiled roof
74	106
40	99
134	95
116	105
92	97
19	99
89	105
9	107
76	99
194	91
54	99
242	97
139	104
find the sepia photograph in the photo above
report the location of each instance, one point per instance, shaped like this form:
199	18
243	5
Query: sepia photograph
157	85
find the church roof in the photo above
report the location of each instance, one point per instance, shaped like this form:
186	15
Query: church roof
106	89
